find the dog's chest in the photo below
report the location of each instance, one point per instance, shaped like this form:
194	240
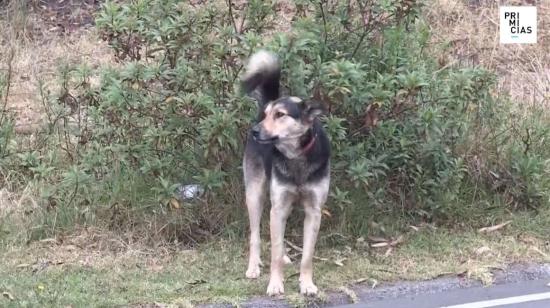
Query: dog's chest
296	172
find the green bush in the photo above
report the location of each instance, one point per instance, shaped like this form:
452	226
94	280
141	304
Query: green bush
410	139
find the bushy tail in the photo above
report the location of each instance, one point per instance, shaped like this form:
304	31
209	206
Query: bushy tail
263	72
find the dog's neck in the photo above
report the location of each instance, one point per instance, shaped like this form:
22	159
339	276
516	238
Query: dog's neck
298	148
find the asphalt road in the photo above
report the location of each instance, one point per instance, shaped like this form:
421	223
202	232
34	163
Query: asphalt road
523	294
518	286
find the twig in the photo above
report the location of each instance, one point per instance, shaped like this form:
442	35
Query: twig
300	250
325	29
230	4
363	35
10	71
244	18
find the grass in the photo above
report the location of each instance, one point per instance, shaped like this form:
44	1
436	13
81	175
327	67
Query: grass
97	268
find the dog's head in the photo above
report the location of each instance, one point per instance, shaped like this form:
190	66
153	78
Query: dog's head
286	119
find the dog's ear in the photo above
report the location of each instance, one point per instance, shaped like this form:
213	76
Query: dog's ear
311	110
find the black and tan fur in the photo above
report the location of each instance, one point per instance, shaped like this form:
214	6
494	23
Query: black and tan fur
287	153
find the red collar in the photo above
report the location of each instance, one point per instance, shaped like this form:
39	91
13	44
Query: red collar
309	145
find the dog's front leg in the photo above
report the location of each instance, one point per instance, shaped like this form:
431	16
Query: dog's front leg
312	222
281	206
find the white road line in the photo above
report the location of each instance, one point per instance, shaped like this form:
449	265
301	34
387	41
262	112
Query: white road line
504	301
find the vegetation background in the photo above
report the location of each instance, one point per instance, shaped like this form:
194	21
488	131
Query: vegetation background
108	109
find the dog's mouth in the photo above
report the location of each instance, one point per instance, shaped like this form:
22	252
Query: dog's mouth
271	140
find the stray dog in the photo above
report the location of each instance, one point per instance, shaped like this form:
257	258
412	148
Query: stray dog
288	151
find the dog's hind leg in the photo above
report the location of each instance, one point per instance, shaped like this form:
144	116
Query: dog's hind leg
255	197
312	207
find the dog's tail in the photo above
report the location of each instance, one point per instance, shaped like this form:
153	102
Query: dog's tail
263	72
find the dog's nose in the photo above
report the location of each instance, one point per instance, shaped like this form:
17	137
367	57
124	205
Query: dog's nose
255	131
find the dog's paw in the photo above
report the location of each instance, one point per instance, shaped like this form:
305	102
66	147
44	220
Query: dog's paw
253	270
308	288
275	287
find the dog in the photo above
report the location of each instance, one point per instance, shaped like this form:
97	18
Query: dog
287	151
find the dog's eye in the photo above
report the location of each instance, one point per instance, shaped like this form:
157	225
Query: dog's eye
279	114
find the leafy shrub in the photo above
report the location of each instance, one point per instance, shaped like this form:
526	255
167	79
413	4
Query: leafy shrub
406	133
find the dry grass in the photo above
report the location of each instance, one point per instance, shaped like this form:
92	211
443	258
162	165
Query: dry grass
470	28
38	50
14	211
93	248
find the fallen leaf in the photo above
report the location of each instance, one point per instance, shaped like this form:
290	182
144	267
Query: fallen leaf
174	203
8	296
415	228
482	250
385	243
371	116
377	239
388	252
360	280
319	258
339	262
23	265
327	213
494	228
48	240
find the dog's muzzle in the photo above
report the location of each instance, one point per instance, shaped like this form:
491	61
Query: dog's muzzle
256	134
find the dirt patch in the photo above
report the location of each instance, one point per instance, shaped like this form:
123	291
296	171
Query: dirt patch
66	16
